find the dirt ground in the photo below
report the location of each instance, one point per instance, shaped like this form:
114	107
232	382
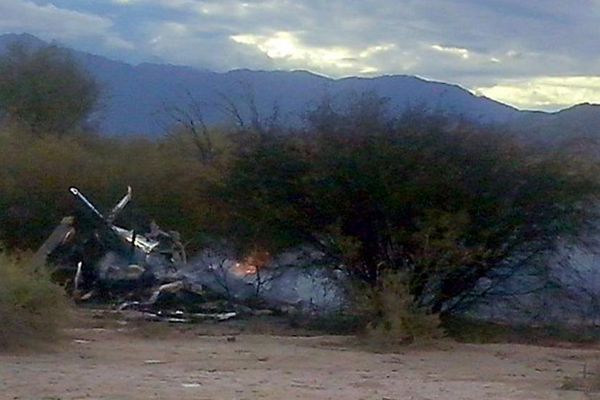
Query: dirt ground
120	360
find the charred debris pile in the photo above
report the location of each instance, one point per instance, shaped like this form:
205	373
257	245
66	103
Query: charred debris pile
100	262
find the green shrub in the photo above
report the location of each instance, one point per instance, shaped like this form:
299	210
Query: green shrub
45	89
32	309
445	202
36	173
392	316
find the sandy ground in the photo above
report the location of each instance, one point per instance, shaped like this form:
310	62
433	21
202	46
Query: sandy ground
139	361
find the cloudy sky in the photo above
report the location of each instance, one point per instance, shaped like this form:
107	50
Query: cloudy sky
534	54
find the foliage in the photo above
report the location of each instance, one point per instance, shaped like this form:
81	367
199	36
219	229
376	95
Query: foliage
263	192
32	309
443	201
391	315
45	90
417	208
36	172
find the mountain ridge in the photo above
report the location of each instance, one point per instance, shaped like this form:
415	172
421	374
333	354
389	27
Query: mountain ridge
137	96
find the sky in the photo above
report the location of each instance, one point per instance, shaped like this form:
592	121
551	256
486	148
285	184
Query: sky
532	54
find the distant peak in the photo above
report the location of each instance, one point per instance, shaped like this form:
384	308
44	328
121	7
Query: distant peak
582	107
586	105
162	67
25	38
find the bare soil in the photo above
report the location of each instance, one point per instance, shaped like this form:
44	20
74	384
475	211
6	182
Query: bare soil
128	360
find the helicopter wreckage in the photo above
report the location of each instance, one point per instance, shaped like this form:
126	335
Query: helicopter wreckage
150	272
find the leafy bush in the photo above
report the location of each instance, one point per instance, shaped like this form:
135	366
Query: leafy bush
442	201
391	315
45	90
36	173
32	309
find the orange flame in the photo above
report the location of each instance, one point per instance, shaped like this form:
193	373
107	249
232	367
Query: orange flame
252	263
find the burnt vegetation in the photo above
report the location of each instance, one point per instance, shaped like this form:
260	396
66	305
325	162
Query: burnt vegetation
437	201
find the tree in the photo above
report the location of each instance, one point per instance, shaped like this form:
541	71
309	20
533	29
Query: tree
189	121
441	201
45	90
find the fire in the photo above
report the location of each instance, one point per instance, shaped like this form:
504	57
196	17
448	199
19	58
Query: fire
243	269
252	264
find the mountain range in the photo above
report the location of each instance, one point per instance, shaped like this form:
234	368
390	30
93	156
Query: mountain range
142	99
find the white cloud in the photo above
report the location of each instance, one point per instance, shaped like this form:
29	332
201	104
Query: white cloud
335	60
455	51
162	3
548	93
370	51
51	22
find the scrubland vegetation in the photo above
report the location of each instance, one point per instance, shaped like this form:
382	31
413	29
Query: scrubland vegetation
32	309
416	207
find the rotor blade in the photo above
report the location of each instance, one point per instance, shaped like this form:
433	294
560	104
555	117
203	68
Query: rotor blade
120	206
81	197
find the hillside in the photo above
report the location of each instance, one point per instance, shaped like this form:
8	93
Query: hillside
572	126
137	97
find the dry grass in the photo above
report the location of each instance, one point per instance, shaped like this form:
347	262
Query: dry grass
588	382
32	308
